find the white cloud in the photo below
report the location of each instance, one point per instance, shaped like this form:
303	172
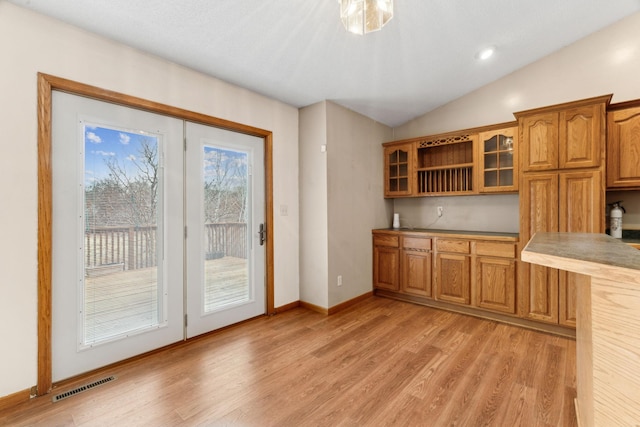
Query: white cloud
93	138
131	157
105	153
124	139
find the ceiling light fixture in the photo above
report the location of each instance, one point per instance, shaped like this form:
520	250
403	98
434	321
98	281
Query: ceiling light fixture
365	16
486	53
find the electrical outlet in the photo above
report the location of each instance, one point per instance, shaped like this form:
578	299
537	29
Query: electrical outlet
440	210
340	280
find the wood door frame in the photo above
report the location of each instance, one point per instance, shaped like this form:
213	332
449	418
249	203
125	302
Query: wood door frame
46	85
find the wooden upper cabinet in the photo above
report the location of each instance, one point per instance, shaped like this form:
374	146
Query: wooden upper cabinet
540	142
445	164
398	169
623	147
498	157
564	136
581	136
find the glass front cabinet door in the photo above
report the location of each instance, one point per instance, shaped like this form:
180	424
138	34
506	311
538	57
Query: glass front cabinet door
499	161
398	170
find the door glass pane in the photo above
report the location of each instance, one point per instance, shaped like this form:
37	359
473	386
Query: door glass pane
490	144
506	159
490	161
404	184
506	177
225	196
491	178
393	171
121	289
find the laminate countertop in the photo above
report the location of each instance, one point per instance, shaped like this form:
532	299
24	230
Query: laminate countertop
454	233
597	255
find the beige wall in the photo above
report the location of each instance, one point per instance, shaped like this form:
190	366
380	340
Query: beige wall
313	205
31	43
355	199
603	63
341	201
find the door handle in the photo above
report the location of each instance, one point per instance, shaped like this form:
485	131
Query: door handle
262	232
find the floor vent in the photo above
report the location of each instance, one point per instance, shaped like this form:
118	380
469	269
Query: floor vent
59	397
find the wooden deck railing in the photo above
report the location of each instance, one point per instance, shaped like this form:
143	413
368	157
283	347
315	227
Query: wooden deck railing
135	247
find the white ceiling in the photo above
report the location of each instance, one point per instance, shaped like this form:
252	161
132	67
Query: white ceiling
297	51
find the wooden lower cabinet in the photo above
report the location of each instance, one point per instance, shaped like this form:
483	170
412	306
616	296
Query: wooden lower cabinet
416	263
581	211
539	194
453	273
496	284
475	275
540	297
567	297
565	201
386	262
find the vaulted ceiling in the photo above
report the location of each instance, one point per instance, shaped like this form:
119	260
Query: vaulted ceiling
297	51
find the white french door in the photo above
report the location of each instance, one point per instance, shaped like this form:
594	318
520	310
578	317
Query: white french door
225	265
116	291
146	234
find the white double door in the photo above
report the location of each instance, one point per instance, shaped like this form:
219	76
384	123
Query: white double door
155	231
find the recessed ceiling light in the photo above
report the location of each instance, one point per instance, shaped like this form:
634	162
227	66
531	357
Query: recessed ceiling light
486	53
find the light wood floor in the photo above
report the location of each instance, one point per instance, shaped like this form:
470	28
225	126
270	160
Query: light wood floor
381	362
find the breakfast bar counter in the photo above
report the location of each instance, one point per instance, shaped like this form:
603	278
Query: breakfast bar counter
608	322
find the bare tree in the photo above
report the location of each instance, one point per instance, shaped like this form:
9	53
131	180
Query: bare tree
139	191
225	188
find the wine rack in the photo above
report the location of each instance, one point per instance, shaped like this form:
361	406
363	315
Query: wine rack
445	164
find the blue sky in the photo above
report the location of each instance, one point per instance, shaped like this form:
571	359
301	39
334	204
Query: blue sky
102	144
235	160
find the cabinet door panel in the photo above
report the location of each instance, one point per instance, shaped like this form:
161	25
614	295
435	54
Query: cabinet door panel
539	149
538	204
498	157
623	148
581	211
393	241
386	268
581	136
496	283
542	295
539	212
453	277
416	273
569	283
581	202
449	245
398	170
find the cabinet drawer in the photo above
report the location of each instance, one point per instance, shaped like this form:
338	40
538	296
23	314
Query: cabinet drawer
497	249
386	240
416	243
456	246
